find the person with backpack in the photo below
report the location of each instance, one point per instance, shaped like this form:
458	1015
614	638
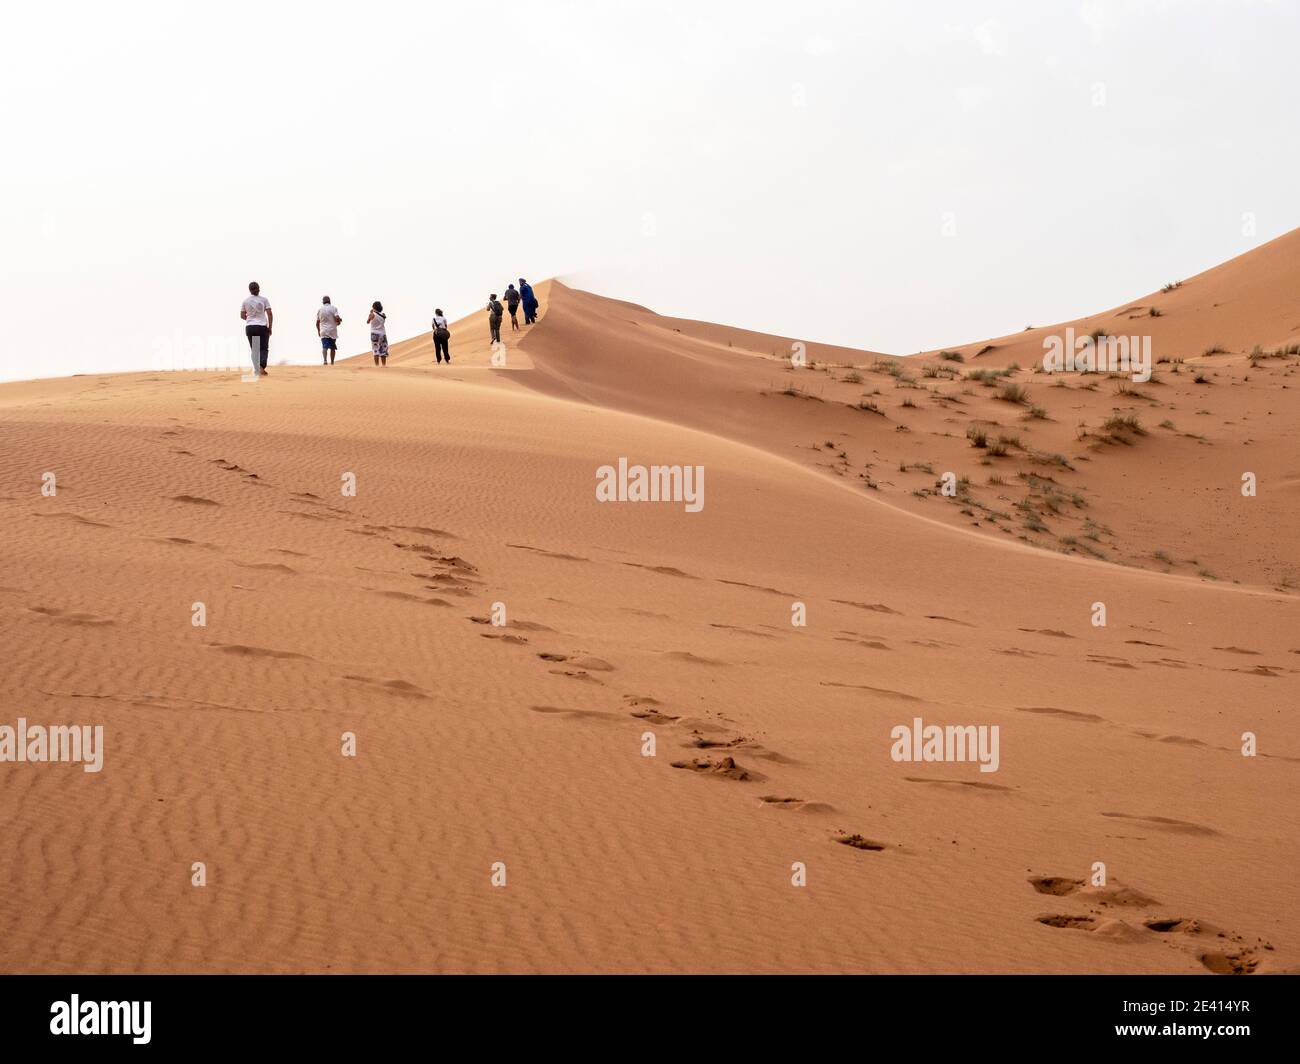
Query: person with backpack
529	301
495	311
441	335
512	304
378	321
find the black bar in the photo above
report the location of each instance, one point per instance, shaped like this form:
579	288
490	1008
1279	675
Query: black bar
867	1014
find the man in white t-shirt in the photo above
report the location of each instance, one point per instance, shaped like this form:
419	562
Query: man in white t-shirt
327	328
258	318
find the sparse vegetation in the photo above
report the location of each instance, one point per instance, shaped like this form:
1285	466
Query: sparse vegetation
1014	393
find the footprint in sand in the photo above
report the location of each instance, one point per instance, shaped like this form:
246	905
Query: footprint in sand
513	640
194	500
723	768
859	842
577	674
647	709
797	805
1221	952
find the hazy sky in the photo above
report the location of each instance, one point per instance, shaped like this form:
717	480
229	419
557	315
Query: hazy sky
894	176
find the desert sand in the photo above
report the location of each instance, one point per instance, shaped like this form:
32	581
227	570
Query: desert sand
521	745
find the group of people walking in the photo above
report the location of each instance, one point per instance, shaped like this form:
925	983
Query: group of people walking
515	298
258	318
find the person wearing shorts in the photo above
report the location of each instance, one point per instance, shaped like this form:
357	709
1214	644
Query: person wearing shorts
378	333
441	337
327	328
256	312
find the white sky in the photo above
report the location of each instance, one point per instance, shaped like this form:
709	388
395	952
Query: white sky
782	166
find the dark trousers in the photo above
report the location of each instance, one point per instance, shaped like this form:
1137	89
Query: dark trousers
259	344
494	323
440	348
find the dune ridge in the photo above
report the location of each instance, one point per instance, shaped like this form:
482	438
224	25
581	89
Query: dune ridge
522	744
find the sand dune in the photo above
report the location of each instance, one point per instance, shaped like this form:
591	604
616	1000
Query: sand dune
523	744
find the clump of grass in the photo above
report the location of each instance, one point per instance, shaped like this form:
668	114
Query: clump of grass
952	356
1171	286
907	402
1155	312
1011	441
1162	556
1014	393
1217	349
1124	423
853	377
1036	413
1200	378
997	449
978	437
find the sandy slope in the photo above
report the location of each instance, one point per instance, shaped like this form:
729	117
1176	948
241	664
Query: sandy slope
523	744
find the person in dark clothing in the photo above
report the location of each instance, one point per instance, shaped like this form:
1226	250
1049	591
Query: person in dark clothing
495	311
441	337
529	300
512	304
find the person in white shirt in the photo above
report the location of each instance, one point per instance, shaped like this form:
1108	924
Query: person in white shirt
327	328
258	319
378	333
441	336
